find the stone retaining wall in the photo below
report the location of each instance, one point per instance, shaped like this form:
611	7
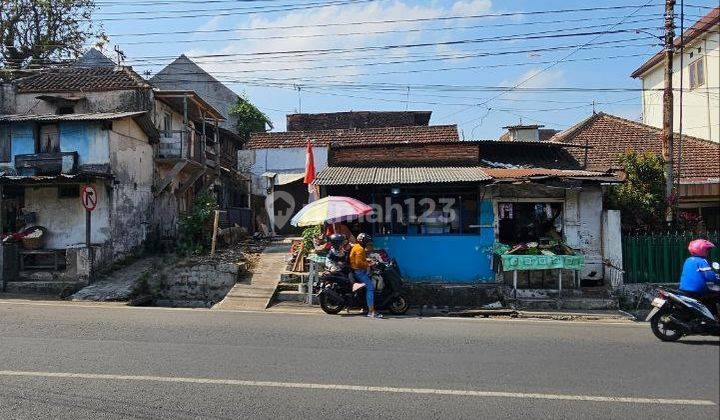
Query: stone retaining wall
192	284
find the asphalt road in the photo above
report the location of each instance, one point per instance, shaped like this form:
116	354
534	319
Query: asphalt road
67	361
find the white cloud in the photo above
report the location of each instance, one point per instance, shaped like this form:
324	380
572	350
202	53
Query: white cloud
539	78
243	67
472	7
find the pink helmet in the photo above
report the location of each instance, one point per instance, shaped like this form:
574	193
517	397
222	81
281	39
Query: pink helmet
700	247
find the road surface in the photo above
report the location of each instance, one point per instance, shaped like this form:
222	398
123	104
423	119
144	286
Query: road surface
70	361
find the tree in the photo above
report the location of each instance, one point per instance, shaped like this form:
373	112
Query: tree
249	118
641	199
42	31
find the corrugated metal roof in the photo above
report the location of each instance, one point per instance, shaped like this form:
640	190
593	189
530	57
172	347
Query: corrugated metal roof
344	175
99	116
6	178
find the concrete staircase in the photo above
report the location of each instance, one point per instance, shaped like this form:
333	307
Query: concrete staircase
42	283
259	292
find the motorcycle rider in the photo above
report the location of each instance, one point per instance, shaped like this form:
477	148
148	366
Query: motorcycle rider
360	266
336	260
697	272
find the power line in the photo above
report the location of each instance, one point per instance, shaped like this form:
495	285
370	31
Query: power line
384	21
324	51
364	33
551	65
289	8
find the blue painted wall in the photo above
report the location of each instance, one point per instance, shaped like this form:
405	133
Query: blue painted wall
445	258
87	139
23	139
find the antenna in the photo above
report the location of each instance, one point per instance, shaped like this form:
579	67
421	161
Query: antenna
120	55
407	98
593	106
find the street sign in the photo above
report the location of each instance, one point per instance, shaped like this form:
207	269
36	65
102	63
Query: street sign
89	197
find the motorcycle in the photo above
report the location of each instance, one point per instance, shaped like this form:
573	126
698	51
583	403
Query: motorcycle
339	291
675	315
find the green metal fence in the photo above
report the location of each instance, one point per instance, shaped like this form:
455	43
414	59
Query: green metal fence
658	258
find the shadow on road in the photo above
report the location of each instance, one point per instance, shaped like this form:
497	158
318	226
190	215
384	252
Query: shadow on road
700	342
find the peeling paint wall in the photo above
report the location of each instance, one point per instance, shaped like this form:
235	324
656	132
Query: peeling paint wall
65	217
111	101
590	208
131	159
89	140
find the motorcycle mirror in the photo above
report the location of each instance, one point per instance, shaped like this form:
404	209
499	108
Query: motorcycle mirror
716	266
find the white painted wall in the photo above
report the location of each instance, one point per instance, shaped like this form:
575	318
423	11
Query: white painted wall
612	245
590	207
701	106
65	217
281	160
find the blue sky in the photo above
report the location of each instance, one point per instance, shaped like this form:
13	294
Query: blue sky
245	45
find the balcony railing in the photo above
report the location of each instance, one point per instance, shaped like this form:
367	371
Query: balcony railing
47	163
180	144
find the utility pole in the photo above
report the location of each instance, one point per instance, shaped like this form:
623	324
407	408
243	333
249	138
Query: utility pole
667	145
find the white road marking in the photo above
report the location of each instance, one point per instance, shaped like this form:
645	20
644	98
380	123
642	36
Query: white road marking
358	388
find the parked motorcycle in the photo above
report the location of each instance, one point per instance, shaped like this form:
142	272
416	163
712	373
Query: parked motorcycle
675	315
338	291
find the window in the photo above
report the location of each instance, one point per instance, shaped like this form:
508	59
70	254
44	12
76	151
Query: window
529	222
167	125
697	73
68	191
406	210
49	139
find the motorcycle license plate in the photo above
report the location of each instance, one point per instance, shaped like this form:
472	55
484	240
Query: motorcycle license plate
658	302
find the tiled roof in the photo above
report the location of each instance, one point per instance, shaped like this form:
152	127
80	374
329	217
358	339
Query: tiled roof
81	79
347	175
99	116
701	26
389	135
609	137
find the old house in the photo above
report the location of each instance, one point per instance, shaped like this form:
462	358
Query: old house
277	159
230	186
443	206
68	130
146	152
697	168
699	70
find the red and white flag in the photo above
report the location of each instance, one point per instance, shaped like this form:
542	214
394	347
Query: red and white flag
310	172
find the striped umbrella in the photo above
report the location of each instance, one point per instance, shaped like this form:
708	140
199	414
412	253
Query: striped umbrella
330	209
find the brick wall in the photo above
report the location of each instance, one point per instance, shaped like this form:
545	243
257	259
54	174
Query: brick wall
405	154
360	119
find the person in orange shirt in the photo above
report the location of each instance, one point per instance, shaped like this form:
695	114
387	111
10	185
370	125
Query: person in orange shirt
360	267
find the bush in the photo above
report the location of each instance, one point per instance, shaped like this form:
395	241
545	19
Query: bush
308	235
195	237
641	199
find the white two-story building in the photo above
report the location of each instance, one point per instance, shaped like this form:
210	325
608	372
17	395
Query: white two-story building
700	72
